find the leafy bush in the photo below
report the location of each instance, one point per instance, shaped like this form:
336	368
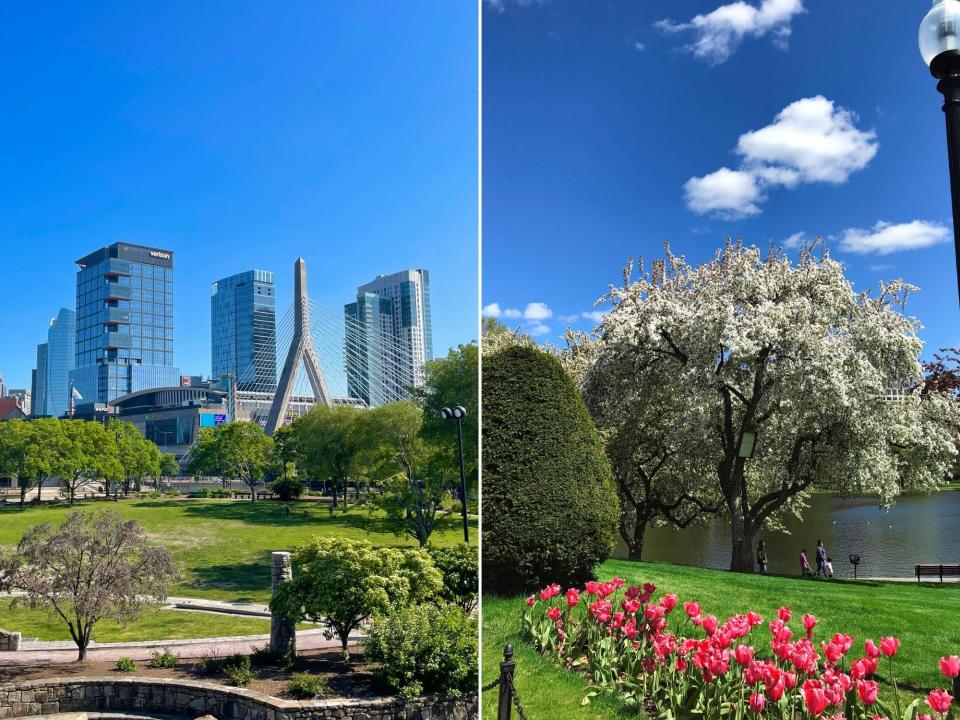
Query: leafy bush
341	582
460	566
171	492
126	664
262	655
239	669
165	659
424	649
550	506
288	488
201	493
304	685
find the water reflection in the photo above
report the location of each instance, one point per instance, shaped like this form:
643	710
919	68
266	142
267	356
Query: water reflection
918	529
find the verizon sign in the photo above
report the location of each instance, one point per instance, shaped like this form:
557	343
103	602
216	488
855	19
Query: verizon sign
158	254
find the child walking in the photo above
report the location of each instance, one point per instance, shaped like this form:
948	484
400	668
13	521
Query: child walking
805	564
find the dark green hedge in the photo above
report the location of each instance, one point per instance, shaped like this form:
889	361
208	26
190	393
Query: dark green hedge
550	507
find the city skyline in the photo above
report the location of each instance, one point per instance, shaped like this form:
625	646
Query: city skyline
180	137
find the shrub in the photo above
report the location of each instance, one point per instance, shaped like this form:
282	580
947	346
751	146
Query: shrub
171	492
424	649
165	659
288	488
262	655
459	565
550	507
341	582
304	685
126	664
239	669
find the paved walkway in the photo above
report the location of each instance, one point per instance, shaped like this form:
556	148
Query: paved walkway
50	653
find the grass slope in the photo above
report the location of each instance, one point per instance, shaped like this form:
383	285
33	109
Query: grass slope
154	624
924	617
222	547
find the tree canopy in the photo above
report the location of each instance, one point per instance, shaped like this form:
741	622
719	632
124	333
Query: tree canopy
753	346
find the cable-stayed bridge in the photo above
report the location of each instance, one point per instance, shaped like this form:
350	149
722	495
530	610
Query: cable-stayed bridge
321	355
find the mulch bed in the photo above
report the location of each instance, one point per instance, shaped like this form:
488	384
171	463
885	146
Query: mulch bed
353	679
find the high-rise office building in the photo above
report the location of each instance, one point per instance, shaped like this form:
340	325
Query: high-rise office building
124	322
243	330
389	336
50	384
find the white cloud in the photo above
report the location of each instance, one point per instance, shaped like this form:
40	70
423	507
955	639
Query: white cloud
797	240
718	34
595	315
885	238
512	313
537	311
727	193
567	319
810	141
537	328
882	267
639	46
492	310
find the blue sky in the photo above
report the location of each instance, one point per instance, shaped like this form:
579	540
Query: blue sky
611	127
238	135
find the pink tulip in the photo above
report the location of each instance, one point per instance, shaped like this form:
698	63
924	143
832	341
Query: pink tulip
868	689
889	646
692	609
871	649
784	614
950	666
553	613
531	600
757	702
940	700
814	697
710	624
743	654
573	597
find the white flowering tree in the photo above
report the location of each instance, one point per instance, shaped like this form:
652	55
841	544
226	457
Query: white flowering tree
693	357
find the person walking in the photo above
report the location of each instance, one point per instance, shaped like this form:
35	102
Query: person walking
821	559
804	564
762	557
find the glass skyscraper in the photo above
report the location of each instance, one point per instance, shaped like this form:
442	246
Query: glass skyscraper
243	330
389	336
124	322
50	389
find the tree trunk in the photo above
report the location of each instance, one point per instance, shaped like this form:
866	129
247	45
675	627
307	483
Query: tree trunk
741	535
81	653
23	493
635	545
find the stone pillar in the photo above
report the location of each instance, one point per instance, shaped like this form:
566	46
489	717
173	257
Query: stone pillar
283	633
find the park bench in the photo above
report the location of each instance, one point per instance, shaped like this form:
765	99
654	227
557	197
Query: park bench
940	571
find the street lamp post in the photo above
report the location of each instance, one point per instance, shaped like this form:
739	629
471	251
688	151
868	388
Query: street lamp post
458	413
116	483
940	48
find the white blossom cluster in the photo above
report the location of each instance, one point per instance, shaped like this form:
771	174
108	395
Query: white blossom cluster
691	357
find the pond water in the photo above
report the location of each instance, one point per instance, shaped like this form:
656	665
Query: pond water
918	529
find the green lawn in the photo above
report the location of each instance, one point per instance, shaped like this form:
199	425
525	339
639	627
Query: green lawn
222	547
925	618
154	624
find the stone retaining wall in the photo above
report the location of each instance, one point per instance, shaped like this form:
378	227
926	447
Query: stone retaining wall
9	641
193	699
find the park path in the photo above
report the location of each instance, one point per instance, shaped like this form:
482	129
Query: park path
50	653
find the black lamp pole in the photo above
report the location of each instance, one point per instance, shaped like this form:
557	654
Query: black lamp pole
459	413
946	68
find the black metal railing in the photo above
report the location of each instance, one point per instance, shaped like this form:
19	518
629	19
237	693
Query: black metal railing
508	697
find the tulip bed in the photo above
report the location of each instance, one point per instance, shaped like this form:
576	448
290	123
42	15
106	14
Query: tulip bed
626	643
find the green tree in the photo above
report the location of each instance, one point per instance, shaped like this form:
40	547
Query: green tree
413	485
89	453
460	567
448	382
342	583
138	456
16	440
238	449
330	441
169	465
550	505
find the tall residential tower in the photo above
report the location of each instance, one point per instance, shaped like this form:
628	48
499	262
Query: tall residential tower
243	330
124	322
388	336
